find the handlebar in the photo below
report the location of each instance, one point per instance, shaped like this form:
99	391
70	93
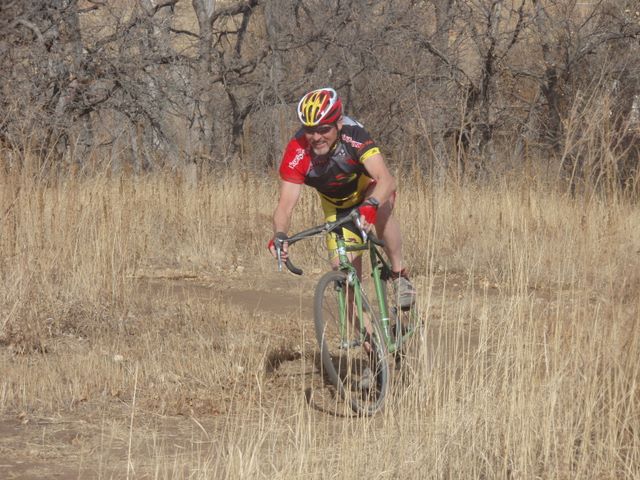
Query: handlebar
353	216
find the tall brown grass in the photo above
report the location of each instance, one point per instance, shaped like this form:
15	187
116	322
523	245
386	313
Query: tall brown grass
527	367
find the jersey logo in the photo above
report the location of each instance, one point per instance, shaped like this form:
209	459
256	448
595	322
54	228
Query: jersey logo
352	142
296	160
342	179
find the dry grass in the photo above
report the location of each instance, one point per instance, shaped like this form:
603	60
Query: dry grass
119	288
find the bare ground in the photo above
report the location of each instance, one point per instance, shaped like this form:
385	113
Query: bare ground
98	437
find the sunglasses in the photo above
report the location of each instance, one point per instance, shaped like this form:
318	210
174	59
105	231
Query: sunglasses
321	129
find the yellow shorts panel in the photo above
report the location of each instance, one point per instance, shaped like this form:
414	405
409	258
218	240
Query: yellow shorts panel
348	232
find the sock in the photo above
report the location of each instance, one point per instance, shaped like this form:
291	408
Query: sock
402	273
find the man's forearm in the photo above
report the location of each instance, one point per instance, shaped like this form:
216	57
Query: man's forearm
280	221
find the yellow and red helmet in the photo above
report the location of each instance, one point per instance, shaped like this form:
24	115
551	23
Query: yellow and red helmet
320	107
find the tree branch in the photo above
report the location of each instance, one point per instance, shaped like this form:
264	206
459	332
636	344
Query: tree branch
166	3
240	7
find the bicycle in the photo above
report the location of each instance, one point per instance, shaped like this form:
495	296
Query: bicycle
356	341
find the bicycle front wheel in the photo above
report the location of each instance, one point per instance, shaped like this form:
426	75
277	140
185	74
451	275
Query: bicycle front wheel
353	353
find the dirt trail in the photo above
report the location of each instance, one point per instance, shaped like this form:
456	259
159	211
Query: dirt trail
272	292
93	442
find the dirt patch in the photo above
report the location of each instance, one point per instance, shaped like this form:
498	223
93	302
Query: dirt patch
109	437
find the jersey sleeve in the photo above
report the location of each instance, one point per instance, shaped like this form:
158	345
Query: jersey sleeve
294	162
358	139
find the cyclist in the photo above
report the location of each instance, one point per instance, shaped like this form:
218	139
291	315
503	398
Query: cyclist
335	155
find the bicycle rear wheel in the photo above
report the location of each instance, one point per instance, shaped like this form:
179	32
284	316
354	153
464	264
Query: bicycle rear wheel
354	362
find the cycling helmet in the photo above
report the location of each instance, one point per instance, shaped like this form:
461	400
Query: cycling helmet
320	107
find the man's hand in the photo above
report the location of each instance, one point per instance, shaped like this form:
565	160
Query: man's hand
368	213
278	242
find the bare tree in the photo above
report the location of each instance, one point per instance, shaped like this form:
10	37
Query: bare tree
68	80
449	87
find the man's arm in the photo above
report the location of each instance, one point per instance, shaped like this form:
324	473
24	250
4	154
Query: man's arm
289	194
385	183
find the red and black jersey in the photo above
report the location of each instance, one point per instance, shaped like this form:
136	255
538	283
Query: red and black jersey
338	176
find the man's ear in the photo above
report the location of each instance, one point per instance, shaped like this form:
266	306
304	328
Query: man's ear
339	123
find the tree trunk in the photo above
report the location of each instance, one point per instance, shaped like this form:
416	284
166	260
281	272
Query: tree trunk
272	12
205	109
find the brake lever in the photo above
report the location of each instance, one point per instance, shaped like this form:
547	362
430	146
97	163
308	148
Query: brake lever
278	244
359	225
279	259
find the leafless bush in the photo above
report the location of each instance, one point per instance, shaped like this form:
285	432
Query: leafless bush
453	88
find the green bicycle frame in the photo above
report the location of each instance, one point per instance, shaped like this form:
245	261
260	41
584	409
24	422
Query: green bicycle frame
378	265
381	272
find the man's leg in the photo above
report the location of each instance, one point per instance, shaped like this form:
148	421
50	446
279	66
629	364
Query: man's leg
388	228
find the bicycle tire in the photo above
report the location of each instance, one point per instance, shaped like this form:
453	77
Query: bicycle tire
344	361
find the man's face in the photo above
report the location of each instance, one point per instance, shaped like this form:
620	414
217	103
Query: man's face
322	137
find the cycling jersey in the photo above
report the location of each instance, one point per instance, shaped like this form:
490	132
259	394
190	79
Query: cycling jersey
340	176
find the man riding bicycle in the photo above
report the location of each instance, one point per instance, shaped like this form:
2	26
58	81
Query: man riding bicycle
335	155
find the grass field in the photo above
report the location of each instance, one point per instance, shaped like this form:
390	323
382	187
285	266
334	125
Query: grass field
144	333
